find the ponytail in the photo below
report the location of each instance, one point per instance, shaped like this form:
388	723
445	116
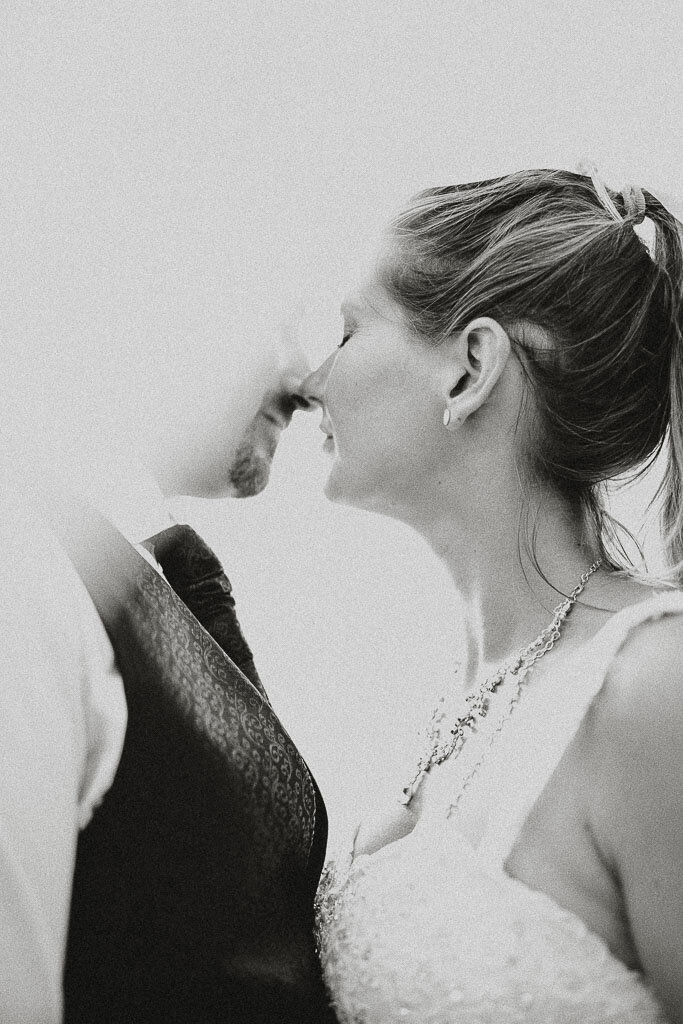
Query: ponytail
668	255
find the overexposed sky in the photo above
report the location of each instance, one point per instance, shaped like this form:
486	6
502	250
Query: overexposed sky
175	175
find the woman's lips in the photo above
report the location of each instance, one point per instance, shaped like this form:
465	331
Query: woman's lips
328	443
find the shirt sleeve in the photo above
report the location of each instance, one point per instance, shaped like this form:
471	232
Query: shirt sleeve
62	723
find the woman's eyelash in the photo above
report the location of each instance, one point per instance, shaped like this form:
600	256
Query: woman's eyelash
345	339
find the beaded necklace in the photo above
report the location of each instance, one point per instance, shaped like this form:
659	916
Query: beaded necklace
477	701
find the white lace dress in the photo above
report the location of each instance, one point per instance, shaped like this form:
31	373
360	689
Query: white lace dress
431	928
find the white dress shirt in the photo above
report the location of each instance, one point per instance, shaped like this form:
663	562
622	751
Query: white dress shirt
62	724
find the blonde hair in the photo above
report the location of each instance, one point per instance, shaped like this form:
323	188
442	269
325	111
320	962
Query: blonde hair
542	253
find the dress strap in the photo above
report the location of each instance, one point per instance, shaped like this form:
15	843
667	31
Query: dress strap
526	777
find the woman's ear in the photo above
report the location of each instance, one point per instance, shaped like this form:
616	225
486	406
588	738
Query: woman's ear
485	348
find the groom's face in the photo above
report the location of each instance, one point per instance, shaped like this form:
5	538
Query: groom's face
233	456
249	469
223	437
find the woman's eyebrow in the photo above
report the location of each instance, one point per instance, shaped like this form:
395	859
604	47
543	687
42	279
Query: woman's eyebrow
349	309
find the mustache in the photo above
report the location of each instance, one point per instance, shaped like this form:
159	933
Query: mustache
288	404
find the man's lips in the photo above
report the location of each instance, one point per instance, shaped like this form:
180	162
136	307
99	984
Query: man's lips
277	421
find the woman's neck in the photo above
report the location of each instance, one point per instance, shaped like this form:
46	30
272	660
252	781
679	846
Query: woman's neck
506	600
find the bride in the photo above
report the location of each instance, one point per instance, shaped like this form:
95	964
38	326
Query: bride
517	345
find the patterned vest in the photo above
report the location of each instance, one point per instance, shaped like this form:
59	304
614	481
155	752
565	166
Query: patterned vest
194	881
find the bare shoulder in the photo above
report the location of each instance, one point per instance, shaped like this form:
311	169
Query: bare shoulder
644	682
634	762
634	734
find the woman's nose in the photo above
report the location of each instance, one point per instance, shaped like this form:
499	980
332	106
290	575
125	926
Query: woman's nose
313	387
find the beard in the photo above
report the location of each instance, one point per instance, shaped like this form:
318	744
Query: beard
250	470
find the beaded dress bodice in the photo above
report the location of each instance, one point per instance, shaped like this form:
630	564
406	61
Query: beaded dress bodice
431	929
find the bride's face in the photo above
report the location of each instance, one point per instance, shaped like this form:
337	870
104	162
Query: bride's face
382	395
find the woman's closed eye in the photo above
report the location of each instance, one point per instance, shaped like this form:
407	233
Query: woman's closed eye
344	339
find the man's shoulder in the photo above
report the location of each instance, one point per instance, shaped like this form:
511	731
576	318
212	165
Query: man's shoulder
29	545
39	585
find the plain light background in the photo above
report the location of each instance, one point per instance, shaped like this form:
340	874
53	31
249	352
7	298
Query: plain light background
175	174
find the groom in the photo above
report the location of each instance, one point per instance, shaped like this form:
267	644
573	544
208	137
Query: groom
198	857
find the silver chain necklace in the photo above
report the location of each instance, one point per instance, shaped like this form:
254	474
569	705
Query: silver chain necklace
478	700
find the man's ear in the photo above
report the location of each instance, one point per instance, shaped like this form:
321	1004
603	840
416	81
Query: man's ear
485	348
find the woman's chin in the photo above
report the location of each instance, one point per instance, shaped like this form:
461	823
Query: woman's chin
343	491
336	488
330	489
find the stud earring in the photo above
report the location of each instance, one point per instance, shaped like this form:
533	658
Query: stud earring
446	417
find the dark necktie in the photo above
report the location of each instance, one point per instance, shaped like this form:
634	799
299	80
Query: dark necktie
196	575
